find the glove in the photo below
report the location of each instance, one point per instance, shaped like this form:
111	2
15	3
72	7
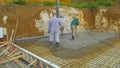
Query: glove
49	31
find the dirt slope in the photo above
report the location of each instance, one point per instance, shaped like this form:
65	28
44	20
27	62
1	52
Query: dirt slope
26	16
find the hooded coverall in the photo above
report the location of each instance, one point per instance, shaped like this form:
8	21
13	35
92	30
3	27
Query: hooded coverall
54	29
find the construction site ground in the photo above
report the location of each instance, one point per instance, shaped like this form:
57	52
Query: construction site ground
88	50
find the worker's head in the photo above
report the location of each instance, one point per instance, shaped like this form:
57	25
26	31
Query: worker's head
76	16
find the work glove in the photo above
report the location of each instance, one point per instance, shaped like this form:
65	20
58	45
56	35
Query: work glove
49	31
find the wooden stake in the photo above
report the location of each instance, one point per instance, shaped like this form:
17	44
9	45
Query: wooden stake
28	66
10	59
5	50
11	38
15	31
22	65
8	46
17	53
3	44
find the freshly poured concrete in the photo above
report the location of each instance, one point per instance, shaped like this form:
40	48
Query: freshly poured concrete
96	51
85	39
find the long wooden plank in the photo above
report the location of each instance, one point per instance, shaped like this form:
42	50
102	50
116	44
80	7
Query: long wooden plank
8	45
11	38
31	63
11	53
19	63
17	53
10	59
5	50
1	45
14	36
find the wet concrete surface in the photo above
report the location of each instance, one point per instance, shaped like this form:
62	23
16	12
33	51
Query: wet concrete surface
86	51
84	39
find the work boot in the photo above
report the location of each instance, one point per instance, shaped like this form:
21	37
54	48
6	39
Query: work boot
50	44
57	45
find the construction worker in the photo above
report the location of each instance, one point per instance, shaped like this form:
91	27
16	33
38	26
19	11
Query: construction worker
74	25
54	30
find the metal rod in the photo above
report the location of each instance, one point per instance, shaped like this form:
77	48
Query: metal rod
57	8
38	57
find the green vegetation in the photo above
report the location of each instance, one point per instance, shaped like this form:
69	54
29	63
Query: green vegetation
96	4
92	4
48	3
19	2
45	3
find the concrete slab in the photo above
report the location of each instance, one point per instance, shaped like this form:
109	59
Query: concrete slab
92	56
86	38
82	39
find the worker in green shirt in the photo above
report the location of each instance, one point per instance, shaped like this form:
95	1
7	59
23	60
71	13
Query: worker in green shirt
74	25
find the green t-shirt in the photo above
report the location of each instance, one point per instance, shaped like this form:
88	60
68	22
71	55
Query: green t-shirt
75	22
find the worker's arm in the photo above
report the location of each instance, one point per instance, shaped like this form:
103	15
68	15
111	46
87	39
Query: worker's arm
77	21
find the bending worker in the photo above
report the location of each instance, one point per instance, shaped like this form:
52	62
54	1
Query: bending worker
74	25
54	30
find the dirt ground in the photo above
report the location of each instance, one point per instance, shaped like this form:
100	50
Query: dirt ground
25	15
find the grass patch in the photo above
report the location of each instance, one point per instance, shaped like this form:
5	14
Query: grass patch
48	3
93	4
19	2
84	5
96	4
105	2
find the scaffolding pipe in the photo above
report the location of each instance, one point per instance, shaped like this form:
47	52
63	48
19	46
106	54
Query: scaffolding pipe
57	8
38	57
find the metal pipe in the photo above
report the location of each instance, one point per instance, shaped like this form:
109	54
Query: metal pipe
38	57
57	8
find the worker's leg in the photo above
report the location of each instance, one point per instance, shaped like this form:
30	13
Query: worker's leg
73	32
51	38
76	34
57	39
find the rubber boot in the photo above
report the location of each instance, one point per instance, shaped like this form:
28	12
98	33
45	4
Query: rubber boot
73	37
57	45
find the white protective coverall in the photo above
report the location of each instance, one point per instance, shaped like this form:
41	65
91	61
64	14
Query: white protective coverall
54	28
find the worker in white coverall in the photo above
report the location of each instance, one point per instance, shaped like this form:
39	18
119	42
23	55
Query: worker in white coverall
54	30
